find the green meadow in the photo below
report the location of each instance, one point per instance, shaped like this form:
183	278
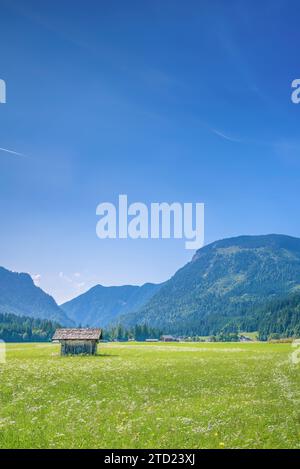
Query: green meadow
138	395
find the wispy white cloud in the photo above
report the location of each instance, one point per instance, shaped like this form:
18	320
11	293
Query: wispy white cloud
36	279
12	152
80	284
72	279
65	277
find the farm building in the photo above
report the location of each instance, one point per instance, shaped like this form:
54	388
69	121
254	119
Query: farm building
78	341
245	338
168	338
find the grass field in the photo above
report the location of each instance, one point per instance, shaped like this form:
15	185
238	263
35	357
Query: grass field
206	395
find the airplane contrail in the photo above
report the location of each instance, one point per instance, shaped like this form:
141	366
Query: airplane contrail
12	152
226	137
220	133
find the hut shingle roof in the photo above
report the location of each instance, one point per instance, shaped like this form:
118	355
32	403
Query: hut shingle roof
77	334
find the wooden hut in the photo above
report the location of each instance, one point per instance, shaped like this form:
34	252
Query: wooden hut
78	341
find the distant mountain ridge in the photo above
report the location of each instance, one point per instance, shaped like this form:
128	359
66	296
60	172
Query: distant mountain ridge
227	284
21	297
226	280
101	306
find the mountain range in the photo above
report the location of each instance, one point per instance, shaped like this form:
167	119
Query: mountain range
224	285
101	306
21	297
226	282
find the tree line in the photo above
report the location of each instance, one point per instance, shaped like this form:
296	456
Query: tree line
25	329
138	332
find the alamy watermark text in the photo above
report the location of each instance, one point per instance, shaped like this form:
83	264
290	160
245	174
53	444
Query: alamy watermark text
160	220
296	93
2	92
2	351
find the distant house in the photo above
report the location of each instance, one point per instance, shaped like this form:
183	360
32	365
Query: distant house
245	338
151	340
78	341
168	338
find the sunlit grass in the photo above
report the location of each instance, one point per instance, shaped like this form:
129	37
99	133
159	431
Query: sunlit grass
207	395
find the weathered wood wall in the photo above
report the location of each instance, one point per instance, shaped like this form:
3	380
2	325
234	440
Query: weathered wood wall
77	347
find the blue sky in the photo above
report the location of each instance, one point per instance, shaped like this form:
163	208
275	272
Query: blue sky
163	101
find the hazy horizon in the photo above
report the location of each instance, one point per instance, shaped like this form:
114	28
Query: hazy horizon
92	285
